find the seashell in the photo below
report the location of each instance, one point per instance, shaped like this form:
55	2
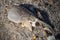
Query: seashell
20	14
26	24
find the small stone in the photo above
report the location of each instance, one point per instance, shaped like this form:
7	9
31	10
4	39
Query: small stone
51	38
13	15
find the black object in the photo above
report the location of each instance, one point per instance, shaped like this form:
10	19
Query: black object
31	8
46	18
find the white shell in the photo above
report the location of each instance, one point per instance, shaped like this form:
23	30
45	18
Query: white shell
13	15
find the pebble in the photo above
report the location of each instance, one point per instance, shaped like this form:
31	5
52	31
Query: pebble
13	15
51	38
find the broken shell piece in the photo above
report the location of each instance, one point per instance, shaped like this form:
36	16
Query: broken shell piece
26	24
34	37
13	15
20	14
47	29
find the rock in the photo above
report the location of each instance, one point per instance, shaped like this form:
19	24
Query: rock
13	15
51	38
